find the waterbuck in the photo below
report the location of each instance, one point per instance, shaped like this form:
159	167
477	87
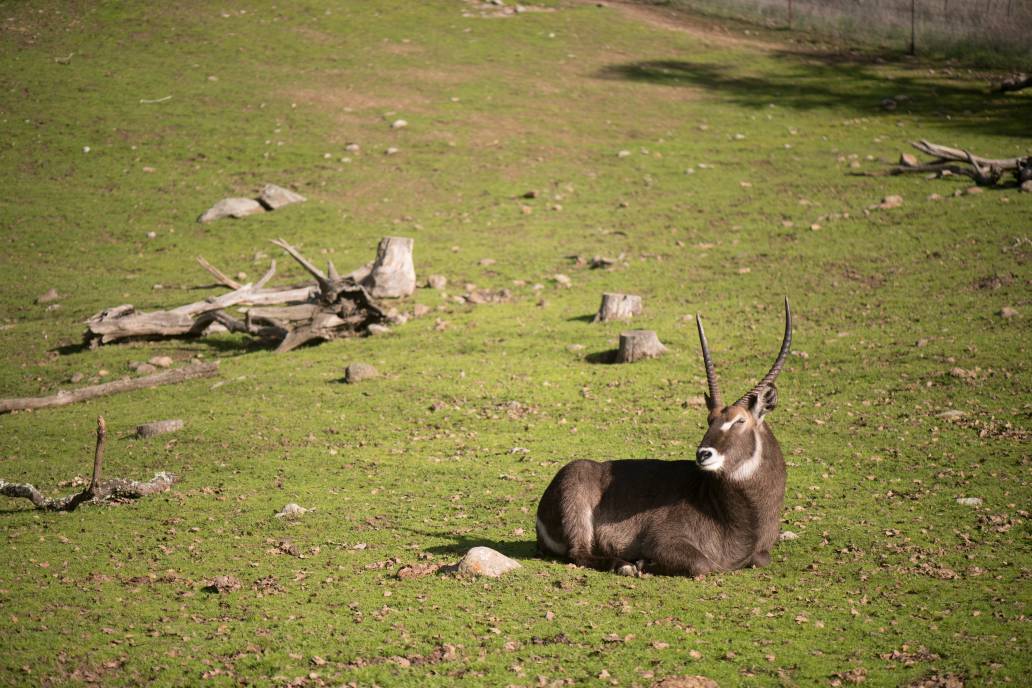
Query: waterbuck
718	513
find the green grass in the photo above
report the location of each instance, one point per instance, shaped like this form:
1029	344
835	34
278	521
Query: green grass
496	107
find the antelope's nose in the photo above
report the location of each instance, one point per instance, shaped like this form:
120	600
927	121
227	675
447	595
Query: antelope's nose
703	453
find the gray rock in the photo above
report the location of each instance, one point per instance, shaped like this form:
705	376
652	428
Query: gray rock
437	281
145	368
356	372
231	207
159	427
1007	312
48	296
969	501
377	329
788	535
484	561
273	197
161	361
292	511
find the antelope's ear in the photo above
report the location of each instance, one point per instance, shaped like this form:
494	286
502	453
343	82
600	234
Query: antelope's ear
763	402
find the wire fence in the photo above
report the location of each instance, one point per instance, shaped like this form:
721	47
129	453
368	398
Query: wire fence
985	26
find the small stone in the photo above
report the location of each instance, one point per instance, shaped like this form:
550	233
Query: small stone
530	194
969	501
687	681
159	427
623	154
1026	186
419	310
356	372
161	361
152	235
292	511
76	377
377	329
353	148
908	160
103	372
486	262
562	280
145	369
274	197
1007	313
888	104
48	296
788	535
921	343
891	202
484	561
951	414
934	197
391	151
972	190
231	207
437	281
399	124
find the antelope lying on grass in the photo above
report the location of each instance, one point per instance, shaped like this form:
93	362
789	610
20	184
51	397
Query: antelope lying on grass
718	513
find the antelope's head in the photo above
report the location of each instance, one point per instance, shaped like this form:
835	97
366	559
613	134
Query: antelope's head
733	444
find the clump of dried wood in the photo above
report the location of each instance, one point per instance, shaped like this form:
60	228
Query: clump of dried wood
954	161
286	318
98	490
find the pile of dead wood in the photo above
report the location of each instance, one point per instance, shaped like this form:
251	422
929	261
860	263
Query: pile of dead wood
331	308
954	161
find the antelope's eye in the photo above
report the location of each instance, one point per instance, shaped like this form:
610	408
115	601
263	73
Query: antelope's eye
740	421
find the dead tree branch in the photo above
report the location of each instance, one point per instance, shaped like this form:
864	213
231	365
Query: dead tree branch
63	398
1014	83
984	171
285	318
98	490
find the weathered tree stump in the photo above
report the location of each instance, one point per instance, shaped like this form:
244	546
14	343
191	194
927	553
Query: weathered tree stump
393	274
638	344
618	307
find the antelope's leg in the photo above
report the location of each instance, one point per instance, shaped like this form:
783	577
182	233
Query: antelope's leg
680	559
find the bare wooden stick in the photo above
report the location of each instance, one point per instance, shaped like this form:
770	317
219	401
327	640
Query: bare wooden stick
948	153
98	490
63	398
324	283
985	171
220	277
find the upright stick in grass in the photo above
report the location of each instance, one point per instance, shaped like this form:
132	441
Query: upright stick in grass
113	489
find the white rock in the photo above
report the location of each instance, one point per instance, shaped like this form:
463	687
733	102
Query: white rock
399	124
484	561
952	414
273	197
788	535
969	501
292	510
231	207
437	281
161	361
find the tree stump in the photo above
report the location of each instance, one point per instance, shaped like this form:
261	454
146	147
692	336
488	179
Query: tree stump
638	344
393	274
618	307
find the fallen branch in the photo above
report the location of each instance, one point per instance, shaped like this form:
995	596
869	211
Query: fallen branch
332	308
113	489
64	398
984	171
1014	83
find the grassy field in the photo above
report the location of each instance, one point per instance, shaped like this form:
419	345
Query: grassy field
721	167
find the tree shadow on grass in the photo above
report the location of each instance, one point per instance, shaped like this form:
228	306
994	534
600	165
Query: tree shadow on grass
837	80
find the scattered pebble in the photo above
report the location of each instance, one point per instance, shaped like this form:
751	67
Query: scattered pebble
788	535
273	197
951	414
377	329
969	501
292	511
437	281
161	361
231	207
562	280
484	561
890	202
356	372
399	124
391	151
1007	313
48	296
223	584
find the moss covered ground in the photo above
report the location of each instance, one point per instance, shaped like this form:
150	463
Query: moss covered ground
721	169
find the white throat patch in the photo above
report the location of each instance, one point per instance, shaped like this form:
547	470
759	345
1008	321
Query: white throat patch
749	467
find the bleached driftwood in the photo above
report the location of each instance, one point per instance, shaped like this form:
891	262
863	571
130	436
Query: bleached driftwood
112	489
984	171
64	397
333	307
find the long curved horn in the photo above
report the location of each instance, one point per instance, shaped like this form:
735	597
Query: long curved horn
776	368
711	373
